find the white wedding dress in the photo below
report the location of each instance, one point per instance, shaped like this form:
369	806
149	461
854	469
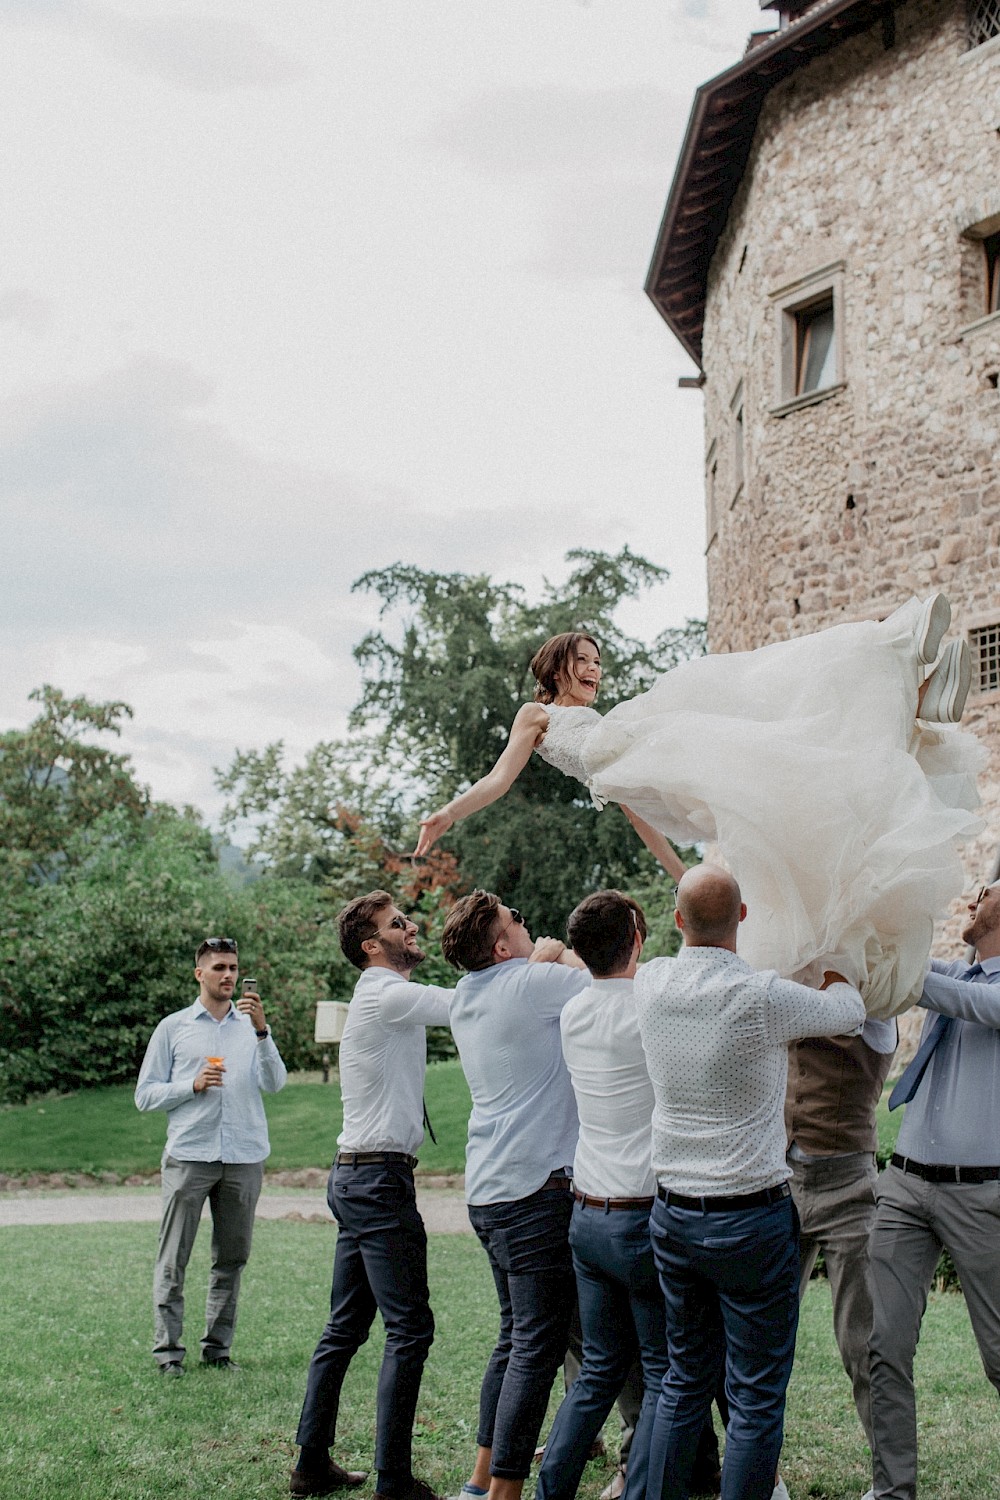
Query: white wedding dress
838	816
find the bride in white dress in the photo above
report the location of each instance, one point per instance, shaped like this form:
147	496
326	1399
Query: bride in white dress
836	809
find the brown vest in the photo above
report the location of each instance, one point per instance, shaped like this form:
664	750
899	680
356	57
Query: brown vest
834	1084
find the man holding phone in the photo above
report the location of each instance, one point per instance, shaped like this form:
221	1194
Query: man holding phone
206	1066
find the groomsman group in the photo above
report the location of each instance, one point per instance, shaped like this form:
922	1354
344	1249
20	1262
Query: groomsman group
680	1243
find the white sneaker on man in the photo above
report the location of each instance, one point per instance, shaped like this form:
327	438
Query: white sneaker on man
779	1492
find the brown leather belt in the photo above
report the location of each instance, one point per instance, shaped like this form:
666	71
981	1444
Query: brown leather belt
368	1158
726	1205
612	1205
935	1172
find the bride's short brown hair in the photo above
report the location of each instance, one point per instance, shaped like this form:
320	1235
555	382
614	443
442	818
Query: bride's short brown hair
553	659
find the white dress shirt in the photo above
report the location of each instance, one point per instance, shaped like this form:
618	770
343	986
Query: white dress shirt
523	1127
383	1059
716	1034
614	1097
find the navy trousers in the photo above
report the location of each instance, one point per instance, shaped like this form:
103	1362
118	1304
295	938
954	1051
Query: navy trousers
730	1286
528	1248
380	1264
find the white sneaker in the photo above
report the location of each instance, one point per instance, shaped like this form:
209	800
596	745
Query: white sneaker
779	1492
948	686
868	1495
935	617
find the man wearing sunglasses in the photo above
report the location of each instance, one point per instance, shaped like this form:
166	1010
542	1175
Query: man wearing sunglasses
206	1066
522	1138
940	1190
380	1263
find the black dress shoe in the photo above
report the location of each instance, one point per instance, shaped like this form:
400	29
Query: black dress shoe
225	1363
417	1491
324	1482
173	1367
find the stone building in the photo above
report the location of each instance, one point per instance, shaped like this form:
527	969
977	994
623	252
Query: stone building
830	258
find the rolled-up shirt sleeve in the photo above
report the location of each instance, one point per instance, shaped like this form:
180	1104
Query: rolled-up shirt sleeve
272	1074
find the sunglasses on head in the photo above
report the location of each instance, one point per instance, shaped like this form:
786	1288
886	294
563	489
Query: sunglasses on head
216	945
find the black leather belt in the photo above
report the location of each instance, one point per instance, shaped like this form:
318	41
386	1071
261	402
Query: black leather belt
557	1183
726	1205
612	1205
935	1172
366	1158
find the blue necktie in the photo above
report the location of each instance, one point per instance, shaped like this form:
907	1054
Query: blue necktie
909	1080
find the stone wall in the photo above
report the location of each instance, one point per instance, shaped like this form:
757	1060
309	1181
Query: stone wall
873	160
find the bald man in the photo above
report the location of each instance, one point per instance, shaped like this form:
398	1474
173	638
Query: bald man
723	1226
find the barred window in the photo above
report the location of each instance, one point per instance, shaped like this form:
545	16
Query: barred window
984	644
984	21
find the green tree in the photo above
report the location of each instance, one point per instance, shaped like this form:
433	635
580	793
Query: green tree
439	699
330	819
91	962
55	781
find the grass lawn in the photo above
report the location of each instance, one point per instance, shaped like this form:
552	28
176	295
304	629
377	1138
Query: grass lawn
100	1130
83	1411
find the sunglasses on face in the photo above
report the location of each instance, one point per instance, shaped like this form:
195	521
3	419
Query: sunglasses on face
398	924
983	892
516	920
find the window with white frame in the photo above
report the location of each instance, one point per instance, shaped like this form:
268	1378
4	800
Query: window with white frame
984	21
809	315
984	646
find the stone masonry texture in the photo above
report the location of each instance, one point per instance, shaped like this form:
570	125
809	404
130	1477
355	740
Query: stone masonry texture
877	159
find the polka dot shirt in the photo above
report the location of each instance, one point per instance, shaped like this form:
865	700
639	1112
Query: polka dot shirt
716	1033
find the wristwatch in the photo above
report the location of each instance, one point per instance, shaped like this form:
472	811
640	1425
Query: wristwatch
262	1034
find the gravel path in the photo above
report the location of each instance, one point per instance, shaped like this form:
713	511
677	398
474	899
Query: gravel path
443	1208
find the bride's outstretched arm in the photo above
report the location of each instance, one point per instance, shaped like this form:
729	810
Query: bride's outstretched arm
658	846
530	723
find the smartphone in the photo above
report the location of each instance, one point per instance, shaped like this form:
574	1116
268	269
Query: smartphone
249	986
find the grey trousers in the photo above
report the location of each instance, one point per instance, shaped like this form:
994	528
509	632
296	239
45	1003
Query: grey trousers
915	1219
836	1204
232	1191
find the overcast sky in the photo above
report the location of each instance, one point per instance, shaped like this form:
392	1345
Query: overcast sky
291	289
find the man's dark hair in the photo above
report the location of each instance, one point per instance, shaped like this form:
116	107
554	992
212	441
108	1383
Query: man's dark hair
359	921
602	928
214	945
470	930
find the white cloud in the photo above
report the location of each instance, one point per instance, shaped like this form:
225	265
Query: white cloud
296	291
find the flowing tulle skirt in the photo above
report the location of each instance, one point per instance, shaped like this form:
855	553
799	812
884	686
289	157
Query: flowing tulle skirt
838	817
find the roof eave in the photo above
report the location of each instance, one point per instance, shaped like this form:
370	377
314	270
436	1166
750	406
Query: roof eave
738	92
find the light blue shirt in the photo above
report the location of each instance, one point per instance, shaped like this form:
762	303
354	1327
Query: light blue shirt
523	1126
220	1124
954	1117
